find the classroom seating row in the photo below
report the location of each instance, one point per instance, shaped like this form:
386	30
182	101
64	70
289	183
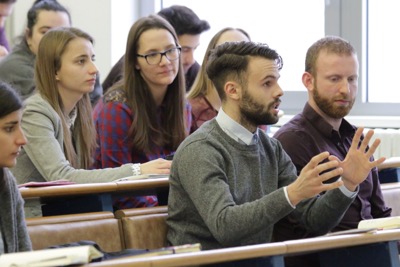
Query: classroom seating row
145	228
125	228
391	195
140	228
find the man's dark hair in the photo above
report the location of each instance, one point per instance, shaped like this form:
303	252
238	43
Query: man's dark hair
231	60
184	20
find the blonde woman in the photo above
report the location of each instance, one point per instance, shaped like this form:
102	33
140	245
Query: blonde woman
57	120
202	96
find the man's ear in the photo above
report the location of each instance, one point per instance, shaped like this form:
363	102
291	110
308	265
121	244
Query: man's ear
308	81
232	90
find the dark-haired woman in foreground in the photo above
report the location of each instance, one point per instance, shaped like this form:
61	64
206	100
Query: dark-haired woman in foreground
13	235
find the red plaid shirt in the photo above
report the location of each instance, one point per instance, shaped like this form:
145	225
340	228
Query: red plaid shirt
112	121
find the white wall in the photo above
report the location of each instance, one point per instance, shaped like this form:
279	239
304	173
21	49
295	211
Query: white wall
108	21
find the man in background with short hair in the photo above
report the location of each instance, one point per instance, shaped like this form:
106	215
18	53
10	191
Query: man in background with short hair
331	78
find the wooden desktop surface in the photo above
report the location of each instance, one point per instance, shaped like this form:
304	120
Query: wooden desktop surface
94	188
309	245
338	241
199	258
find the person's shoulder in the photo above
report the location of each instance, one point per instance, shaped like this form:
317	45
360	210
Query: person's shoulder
9	178
267	140
204	133
194	68
198	104
115	95
36	103
294	127
11	62
114	102
19	55
201	142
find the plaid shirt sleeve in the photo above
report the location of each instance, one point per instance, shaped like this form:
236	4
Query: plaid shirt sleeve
112	126
112	121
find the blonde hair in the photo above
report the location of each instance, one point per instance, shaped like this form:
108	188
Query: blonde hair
202	84
48	62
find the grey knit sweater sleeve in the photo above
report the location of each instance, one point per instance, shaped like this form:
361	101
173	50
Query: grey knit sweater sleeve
225	194
12	218
42	158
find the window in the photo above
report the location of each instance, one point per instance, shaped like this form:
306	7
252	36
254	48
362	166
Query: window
382	51
267	21
291	26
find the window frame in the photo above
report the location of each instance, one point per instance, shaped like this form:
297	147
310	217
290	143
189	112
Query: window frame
342	18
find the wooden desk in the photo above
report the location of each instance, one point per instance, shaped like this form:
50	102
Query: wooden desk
378	248
79	198
367	250
272	252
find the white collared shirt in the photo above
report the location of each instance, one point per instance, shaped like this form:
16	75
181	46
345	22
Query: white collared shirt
235	130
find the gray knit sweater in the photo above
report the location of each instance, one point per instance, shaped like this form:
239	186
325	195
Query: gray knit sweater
224	194
12	219
17	69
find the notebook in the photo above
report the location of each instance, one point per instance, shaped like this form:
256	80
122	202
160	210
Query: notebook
380	223
51	257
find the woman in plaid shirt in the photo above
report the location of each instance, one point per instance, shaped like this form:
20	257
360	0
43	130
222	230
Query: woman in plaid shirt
144	116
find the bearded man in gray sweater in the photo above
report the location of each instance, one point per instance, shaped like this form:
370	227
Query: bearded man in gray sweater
230	183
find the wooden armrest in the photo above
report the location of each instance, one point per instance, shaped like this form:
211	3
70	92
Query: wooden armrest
140	211
57	219
393	162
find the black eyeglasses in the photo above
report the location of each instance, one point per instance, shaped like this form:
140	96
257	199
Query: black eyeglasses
156	57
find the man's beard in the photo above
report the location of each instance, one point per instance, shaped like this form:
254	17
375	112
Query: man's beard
257	114
327	106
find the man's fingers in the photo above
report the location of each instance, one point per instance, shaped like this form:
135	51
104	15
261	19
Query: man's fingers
316	160
357	137
373	147
330	174
366	140
333	185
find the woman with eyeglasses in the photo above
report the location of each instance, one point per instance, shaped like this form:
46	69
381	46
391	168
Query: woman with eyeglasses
57	120
144	116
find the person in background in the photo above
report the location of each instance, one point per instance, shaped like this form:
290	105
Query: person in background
203	97
144	116
189	27
6	8
331	78
13	235
230	182
57	120
17	68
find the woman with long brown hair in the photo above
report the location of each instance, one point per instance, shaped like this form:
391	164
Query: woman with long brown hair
144	116
57	120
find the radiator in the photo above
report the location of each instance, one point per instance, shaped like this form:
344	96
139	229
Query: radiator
390	142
